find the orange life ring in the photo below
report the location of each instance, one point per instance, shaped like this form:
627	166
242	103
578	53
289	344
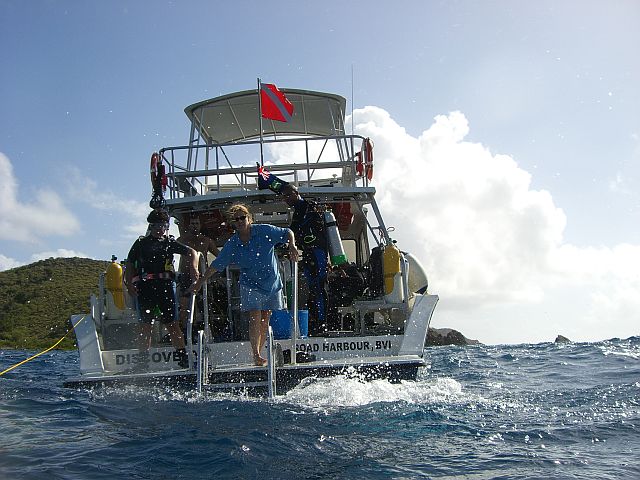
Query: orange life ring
366	157
158	176
154	168
158	182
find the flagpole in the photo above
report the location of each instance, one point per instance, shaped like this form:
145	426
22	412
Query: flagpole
260	117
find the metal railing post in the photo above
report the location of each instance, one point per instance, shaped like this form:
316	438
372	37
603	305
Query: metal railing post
190	331
271	364
205	298
294	312
200	371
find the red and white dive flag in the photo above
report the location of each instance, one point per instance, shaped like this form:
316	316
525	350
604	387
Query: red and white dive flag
275	106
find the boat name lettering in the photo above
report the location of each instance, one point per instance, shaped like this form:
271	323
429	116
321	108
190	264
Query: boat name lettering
155	357
343	346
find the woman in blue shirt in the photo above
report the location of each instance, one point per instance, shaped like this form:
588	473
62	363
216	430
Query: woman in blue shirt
252	249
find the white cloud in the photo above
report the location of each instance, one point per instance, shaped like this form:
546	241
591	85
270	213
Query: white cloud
483	233
7	263
619	185
45	215
491	244
86	190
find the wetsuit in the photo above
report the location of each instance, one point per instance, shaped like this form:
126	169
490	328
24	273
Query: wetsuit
308	226
155	279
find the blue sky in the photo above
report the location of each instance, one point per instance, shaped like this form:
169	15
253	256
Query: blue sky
538	104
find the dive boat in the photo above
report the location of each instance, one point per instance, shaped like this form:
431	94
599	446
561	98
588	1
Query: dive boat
379	312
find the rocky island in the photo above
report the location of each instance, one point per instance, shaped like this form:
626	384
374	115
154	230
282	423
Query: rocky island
447	336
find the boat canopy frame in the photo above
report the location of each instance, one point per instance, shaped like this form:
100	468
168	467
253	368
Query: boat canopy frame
228	138
233	122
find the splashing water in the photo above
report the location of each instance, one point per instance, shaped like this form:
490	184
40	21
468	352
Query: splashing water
523	411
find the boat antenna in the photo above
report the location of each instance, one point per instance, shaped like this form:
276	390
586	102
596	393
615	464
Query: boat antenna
352	131
260	117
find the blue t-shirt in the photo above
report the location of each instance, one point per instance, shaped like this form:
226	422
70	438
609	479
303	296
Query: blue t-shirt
256	259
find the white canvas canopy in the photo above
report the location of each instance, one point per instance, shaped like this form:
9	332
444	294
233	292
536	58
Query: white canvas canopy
236	117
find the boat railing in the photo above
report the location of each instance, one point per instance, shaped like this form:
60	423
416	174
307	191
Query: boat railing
212	169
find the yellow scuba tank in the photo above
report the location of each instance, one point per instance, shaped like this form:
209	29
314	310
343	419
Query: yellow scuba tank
392	274
113	280
336	251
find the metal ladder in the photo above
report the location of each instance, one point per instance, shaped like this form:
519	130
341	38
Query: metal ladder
202	365
202	374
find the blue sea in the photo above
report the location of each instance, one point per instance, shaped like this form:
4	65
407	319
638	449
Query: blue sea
552	411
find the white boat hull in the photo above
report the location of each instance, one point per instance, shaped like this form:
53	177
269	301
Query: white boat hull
229	367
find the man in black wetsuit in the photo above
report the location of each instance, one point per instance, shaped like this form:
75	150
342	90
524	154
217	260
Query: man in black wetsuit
309	229
150	278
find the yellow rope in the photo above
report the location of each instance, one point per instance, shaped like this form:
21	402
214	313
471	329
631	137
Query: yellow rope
44	351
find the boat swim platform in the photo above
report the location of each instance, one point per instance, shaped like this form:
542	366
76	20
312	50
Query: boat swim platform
253	379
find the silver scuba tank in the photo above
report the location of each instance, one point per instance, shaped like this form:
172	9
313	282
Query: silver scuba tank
336	251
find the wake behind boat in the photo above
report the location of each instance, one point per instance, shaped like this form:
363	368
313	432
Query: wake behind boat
379	309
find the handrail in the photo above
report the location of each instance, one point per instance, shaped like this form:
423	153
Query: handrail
266	140
201	366
190	331
294	310
251	169
203	360
187	181
202	266
271	364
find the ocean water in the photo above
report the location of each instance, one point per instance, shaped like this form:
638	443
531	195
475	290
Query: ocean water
508	412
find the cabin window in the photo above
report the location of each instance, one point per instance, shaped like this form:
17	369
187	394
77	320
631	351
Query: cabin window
350	250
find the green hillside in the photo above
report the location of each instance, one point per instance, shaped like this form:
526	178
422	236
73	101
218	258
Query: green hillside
37	300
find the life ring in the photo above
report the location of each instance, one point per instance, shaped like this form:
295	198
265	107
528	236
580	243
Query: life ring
158	175
158	182
364	162
154	168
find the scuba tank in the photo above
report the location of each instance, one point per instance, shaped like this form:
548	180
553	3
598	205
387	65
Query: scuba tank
113	279
392	274
336	252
